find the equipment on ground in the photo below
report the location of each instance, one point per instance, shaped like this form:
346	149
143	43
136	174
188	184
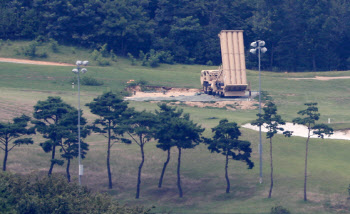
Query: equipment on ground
230	79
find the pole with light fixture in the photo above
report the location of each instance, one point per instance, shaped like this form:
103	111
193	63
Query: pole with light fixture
77	72
259	46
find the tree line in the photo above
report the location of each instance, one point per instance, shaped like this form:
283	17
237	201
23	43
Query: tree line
57	122
169	126
300	35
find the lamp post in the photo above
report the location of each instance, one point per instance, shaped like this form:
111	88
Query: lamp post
259	46
77	72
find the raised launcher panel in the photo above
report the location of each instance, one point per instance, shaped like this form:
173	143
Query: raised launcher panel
233	63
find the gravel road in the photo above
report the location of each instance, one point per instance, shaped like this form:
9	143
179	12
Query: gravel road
194	98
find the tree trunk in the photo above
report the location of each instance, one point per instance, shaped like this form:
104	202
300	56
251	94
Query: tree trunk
52	158
139	174
178	173
271	166
305	173
110	184
163	171
226	175
67	170
5	157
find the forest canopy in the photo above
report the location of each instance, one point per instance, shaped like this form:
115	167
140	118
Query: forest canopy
300	35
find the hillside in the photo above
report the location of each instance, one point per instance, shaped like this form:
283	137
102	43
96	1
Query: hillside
22	85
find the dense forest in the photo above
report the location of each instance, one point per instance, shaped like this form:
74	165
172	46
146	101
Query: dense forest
301	35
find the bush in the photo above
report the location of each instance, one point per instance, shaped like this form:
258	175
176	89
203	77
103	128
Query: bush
53	45
279	210
132	59
153	58
153	61
113	56
103	61
32	194
104	51
209	63
86	80
95	54
31	51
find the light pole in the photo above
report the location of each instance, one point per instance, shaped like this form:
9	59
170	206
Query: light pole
77	72
259	46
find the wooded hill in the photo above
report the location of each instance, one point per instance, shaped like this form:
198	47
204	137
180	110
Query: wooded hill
301	35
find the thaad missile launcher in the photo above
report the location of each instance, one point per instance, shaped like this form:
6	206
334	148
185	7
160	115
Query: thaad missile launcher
230	79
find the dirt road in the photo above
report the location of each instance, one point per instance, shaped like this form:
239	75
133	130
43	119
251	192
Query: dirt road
33	62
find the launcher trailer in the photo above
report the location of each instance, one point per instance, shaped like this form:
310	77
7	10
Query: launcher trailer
230	79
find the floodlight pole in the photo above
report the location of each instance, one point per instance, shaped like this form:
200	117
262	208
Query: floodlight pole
77	71
259	46
79	149
260	144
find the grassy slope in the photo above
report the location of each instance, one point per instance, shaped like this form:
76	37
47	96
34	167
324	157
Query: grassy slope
203	173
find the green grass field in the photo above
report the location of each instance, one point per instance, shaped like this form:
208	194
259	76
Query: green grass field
202	172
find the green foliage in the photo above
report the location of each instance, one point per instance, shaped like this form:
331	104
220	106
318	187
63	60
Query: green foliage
13	133
102	56
31	51
271	121
225	141
279	210
141	127
153	58
104	51
188	30
308	118
54	46
91	81
31	194
132	59
209	63
57	122
264	97
109	107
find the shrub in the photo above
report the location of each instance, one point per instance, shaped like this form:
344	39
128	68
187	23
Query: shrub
165	57
153	61
30	50
209	63
102	61
113	56
279	210
53	45
32	194
132	59
95	54
104	50
91	81
153	58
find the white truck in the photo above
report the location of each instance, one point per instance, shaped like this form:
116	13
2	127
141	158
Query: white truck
230	79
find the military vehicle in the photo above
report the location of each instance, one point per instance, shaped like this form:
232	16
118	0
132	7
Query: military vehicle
230	79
